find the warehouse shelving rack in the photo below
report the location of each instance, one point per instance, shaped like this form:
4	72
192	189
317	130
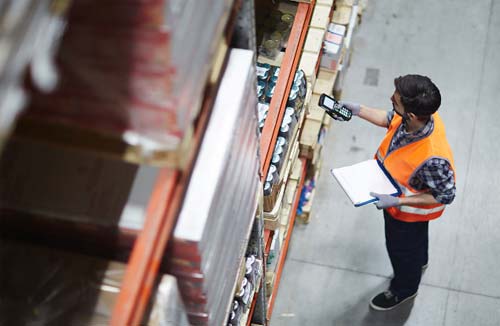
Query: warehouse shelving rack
164	205
144	250
271	127
284	83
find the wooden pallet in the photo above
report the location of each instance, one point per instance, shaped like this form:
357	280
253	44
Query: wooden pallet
325	81
342	15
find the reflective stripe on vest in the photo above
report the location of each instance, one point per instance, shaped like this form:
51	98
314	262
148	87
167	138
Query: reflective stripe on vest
421	211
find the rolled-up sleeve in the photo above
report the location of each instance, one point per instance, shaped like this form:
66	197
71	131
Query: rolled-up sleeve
390	115
437	176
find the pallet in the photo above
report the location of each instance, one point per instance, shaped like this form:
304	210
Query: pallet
342	15
321	16
308	63
309	60
325	81
314	41
296	169
315	111
348	3
325	2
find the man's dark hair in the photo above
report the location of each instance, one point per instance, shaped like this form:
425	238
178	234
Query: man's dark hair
419	94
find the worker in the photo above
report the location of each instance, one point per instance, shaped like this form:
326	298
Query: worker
417	155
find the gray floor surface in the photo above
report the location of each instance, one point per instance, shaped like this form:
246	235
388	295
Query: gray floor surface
338	262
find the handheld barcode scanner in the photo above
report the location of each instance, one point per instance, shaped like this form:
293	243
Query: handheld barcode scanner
334	109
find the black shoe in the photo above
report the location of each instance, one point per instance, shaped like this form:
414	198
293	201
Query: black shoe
387	300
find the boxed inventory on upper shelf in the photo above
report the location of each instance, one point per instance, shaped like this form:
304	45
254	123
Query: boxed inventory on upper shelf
134	70
212	230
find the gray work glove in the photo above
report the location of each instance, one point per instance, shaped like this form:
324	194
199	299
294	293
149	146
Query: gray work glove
385	201
354	107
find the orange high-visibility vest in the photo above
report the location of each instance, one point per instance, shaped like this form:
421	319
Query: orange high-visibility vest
403	162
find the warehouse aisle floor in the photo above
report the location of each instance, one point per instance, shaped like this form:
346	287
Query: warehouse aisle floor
338	262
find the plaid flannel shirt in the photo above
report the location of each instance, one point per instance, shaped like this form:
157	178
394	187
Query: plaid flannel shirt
436	173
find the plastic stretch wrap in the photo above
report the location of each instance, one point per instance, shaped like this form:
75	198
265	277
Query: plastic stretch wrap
134	69
211	234
29	33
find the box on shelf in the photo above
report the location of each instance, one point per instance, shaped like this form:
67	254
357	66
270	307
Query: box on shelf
314	40
333	47
321	16
308	63
272	216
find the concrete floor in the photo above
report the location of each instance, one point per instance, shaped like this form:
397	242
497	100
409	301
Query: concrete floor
338	262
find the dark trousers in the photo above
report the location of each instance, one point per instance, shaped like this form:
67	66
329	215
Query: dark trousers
407	244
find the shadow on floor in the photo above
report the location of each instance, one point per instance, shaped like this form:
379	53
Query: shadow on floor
362	315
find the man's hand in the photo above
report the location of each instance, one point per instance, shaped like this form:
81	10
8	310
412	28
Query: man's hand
385	201
354	107
334	116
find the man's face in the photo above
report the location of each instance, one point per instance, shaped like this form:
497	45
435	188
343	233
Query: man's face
398	107
396	104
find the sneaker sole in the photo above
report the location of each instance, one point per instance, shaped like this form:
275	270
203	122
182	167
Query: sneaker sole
390	308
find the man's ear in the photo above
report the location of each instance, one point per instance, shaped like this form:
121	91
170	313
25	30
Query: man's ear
411	116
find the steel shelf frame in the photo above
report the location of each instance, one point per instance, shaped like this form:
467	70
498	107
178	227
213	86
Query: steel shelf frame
166	200
284	83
